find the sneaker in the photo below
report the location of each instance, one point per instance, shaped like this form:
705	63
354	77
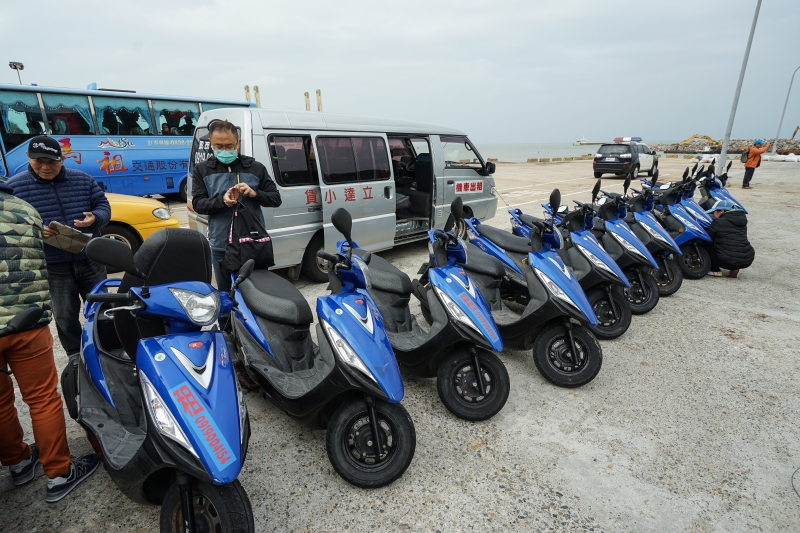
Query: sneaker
79	469
746	187
25	471
715	274
734	273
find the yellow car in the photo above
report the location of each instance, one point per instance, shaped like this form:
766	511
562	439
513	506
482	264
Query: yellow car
134	218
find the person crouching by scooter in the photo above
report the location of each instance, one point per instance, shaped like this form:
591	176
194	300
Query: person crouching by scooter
29	356
730	248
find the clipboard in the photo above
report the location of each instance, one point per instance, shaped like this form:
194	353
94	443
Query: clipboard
67	238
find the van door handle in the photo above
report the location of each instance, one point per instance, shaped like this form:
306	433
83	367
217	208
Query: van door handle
450	182
387	192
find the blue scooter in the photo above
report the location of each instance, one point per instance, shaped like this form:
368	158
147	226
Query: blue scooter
349	383
157	395
686	189
529	273
472	382
713	188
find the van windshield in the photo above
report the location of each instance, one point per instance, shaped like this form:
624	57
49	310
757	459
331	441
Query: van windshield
614	149
459	152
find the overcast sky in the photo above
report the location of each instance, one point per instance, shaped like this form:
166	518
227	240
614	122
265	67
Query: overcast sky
503	71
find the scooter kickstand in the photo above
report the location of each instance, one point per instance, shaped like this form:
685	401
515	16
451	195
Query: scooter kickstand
373	419
571	338
478	373
187	507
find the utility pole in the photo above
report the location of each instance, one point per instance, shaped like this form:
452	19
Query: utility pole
724	154
308	102
16	65
775	142
319	98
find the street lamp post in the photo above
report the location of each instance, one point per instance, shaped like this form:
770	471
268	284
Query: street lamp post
16	65
775	142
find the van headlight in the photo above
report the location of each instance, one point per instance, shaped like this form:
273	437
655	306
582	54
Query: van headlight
161	213
554	289
596	261
344	351
202	310
455	311
628	246
161	415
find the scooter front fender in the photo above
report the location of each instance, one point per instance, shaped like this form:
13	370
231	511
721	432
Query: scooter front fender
202	398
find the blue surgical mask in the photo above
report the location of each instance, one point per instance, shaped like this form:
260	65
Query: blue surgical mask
226	157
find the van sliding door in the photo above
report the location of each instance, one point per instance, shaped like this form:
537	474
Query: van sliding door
356	175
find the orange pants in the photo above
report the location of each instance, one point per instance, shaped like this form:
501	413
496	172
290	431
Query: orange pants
30	356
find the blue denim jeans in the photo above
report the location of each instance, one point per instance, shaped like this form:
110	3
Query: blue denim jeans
69	284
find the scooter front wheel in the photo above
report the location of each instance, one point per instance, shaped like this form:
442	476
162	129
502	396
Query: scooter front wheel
613	314
695	261
642	295
460	391
350	442
223	508
554	359
669	277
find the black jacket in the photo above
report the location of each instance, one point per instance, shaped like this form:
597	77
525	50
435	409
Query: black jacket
211	179
729	233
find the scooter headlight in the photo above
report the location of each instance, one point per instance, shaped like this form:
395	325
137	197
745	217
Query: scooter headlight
656	235
159	412
455	311
345	352
202	310
554	289
596	261
628	246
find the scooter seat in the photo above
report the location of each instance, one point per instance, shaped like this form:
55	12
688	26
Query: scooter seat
274	298
532	221
505	240
479	262
385	276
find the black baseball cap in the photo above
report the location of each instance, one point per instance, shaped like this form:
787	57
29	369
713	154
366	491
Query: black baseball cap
44	146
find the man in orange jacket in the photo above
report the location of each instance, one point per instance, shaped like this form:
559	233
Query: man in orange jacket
753	161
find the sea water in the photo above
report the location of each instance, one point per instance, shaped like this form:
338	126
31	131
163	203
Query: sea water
520	153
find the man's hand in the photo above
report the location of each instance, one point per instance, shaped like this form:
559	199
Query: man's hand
86	222
231	196
245	189
49	232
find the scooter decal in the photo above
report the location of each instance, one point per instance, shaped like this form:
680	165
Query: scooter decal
561	266
477	314
201	374
365	321
203	426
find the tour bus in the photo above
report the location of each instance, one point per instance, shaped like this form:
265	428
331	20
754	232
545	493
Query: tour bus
396	178
130	143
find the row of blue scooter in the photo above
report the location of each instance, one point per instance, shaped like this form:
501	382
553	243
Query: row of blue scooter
155	386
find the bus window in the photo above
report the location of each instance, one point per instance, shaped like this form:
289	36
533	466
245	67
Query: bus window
336	159
372	158
175	118
291	162
122	116
68	114
20	118
208	106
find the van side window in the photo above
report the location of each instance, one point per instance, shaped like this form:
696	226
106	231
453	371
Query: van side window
123	116
459	152
337	160
372	158
20	118
68	114
292	162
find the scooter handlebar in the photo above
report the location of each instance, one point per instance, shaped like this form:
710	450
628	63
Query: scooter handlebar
115	298
328	257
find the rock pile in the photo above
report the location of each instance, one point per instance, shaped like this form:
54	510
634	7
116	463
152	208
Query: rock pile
736	146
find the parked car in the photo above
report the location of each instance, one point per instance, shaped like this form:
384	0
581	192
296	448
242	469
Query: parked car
626	155
134	218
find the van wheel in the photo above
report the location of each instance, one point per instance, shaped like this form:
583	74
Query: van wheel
635	171
315	268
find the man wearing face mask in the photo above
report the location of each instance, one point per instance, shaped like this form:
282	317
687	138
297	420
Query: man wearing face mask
219	182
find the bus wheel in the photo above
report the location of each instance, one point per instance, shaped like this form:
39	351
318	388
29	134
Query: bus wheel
315	268
182	196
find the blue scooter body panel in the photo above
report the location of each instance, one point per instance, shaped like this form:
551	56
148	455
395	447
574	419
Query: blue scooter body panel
646	218
550	263
488	246
586	239
692	229
356	318
694	209
456	285
723	194
90	357
203	402
620	228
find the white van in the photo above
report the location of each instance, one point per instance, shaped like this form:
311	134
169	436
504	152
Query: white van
396	178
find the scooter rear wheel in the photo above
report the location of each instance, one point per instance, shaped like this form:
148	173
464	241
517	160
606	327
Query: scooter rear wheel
695	261
641	297
349	442
553	356
223	508
459	391
665	286
607	326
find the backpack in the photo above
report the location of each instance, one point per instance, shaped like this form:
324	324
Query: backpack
247	239
743	159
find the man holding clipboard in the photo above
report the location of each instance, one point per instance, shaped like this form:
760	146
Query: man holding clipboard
70	198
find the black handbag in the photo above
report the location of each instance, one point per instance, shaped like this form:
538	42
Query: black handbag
247	239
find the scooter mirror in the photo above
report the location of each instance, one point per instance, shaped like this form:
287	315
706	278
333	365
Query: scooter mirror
343	223
655	175
711	170
244	273
26	319
728	168
595	190
457	208
694	169
627	184
555	198
111	253
685	173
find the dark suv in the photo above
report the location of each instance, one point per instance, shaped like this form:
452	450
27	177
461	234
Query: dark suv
623	158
